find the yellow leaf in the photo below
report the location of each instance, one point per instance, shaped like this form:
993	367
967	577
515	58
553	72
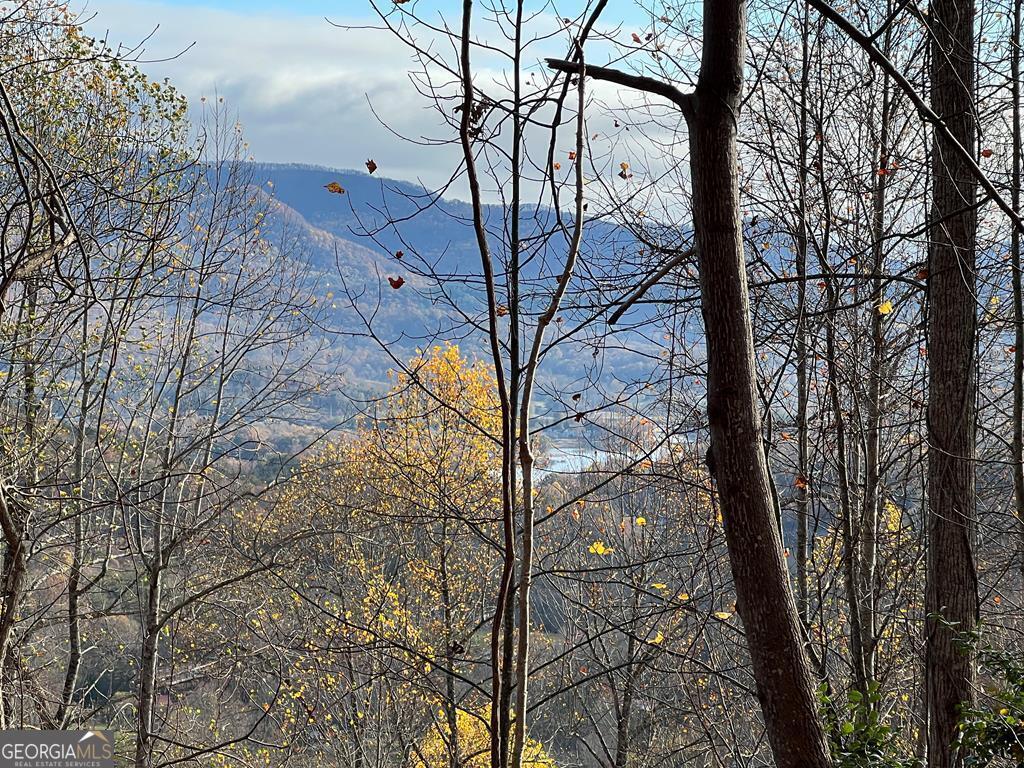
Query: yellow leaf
893	516
659	585
885	308
598	548
723	615
658	639
641	520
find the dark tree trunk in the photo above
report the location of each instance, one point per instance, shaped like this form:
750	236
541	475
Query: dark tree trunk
951	595
765	601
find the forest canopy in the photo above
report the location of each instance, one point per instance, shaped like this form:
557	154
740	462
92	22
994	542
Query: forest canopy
683	424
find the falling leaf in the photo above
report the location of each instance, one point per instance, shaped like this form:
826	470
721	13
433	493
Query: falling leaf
801	482
576	397
683	596
396	282
371	166
922	274
997	599
723	615
986	152
885	308
399	254
557	166
658	639
572	155
335	188
658	585
641	521
636	38
624	166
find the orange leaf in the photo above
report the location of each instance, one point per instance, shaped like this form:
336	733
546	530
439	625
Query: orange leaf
335	188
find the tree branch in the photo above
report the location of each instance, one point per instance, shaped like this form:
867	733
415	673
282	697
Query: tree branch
685	101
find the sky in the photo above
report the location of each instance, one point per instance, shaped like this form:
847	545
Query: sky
304	90
301	88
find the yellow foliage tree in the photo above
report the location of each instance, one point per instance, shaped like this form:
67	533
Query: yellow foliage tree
471	745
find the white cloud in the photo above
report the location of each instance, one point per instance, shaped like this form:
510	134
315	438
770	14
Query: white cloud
299	85
302	87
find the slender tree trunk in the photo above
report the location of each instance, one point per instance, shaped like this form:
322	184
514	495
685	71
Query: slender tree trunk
150	652
951	594
873	407
764	599
765	602
1017	439
851	557
625	709
803	495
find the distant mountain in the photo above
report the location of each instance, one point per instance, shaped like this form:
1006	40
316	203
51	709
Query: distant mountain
350	241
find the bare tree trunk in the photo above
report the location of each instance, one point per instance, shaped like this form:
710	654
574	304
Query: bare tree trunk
12	525
803	497
951	594
764	599
1017	439
150	653
872	491
625	709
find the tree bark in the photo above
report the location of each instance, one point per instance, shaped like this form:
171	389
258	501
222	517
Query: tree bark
951	594
765	601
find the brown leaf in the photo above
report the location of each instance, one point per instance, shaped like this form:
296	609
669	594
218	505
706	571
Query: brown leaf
396	282
371	166
335	188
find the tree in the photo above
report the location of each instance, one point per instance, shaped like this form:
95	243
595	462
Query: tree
764	598
951	598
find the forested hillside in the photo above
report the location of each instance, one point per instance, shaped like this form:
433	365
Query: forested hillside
683	425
